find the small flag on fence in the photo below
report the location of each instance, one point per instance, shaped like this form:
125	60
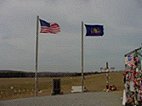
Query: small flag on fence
94	30
130	60
47	27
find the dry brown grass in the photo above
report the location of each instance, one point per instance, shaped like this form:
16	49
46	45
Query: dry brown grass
11	88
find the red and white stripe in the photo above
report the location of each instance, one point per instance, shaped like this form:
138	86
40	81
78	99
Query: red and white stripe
54	28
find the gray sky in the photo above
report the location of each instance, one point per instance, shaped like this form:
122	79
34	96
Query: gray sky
122	20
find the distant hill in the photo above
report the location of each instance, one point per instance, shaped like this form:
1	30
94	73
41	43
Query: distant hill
13	74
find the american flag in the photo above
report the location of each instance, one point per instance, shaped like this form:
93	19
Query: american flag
47	27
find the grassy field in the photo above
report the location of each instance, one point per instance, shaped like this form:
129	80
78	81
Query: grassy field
11	88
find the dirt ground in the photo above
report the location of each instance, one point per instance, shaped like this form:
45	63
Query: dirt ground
76	99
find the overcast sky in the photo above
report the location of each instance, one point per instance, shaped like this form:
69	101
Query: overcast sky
122	20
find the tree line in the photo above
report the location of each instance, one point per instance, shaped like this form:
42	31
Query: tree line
19	74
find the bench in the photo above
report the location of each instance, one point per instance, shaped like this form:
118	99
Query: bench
76	89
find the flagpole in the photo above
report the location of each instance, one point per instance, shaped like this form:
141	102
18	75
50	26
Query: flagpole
36	58
82	57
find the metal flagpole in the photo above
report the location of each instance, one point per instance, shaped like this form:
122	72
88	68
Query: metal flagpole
36	58
82	56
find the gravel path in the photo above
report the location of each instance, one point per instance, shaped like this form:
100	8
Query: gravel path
77	99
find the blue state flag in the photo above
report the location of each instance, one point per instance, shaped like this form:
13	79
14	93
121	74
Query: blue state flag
94	30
